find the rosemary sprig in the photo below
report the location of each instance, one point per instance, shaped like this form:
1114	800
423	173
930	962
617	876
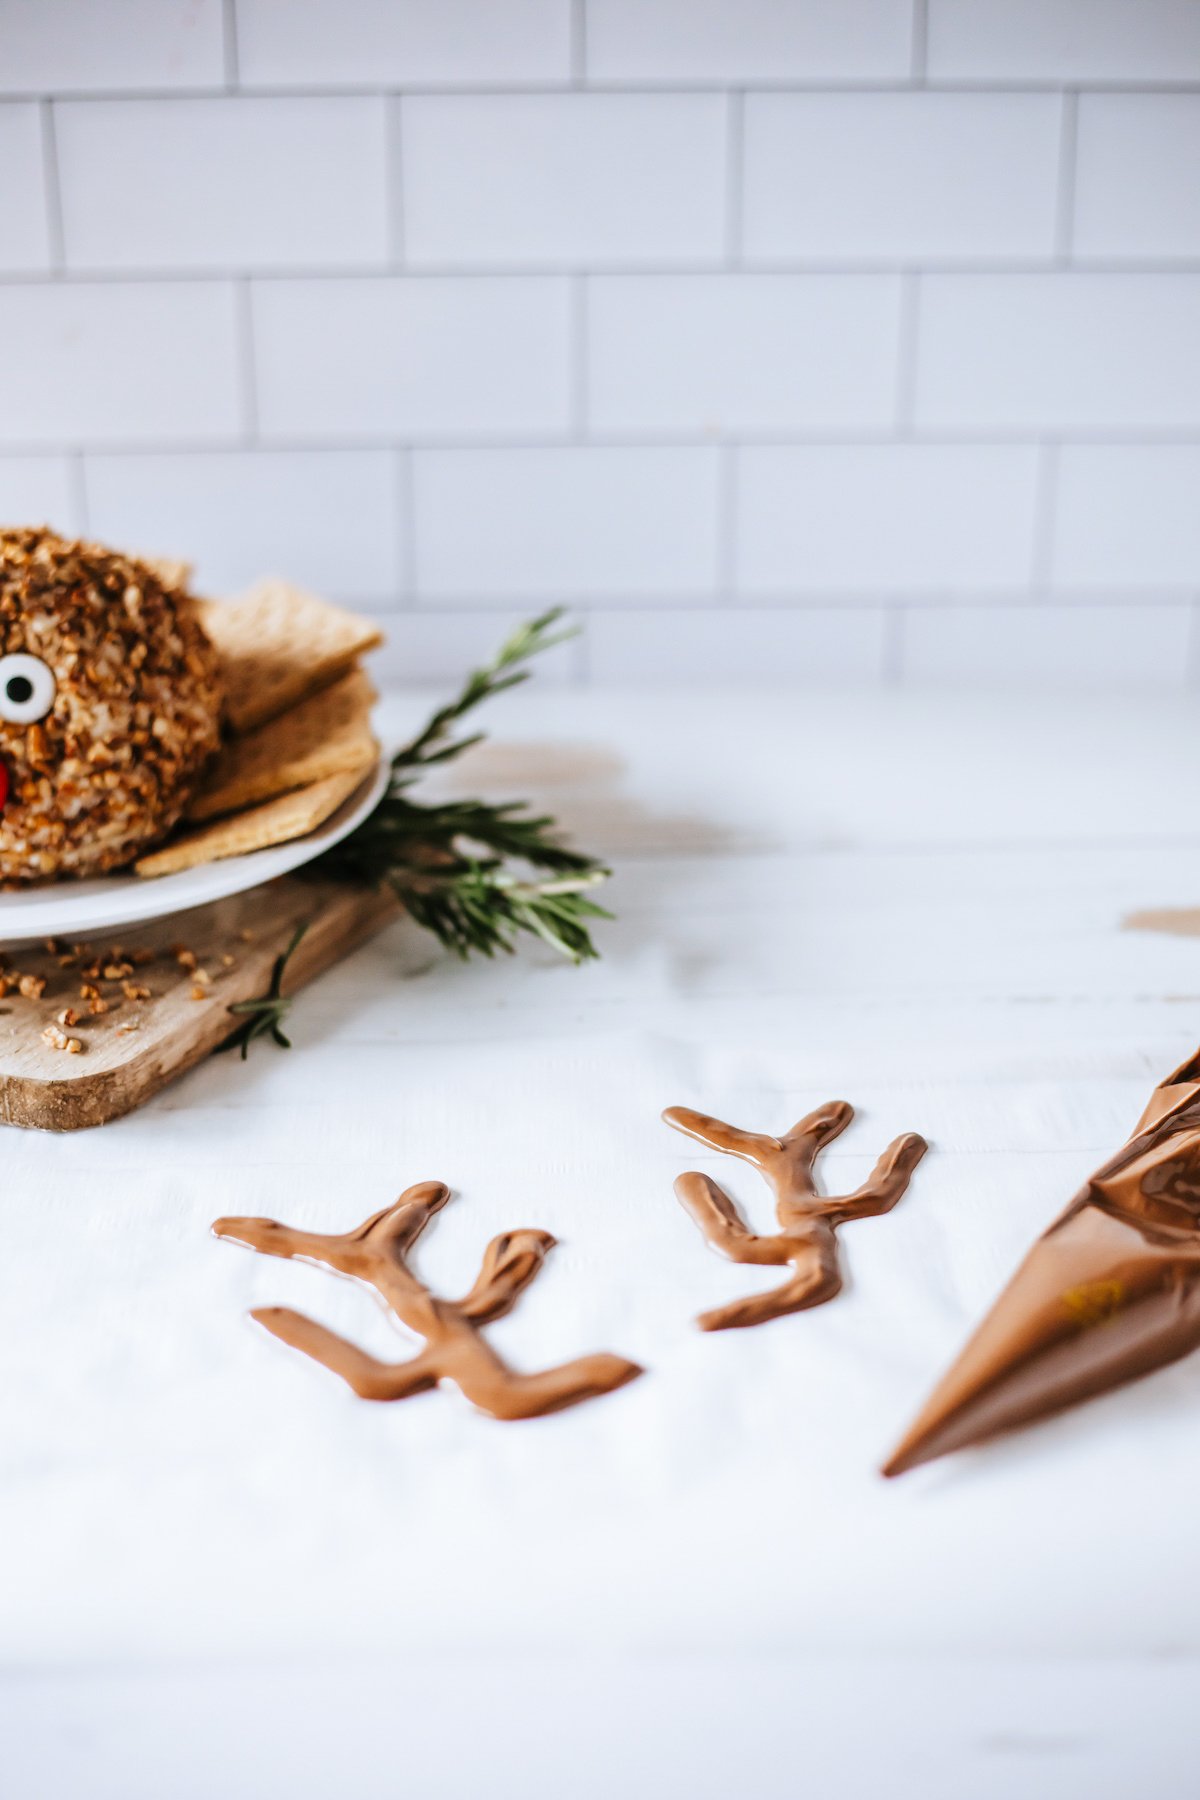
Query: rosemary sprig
268	1013
450	862
504	671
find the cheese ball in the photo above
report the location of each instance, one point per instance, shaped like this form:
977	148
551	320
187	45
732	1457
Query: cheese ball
109	706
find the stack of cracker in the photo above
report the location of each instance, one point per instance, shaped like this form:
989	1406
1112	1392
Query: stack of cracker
298	721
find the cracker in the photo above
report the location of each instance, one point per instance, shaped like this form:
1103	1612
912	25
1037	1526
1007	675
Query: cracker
277	822
278	644
170	570
327	734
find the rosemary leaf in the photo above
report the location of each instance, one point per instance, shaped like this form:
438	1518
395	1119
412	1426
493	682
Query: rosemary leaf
266	1015
450	862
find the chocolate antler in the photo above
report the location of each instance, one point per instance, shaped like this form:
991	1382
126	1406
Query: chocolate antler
375	1252
807	1222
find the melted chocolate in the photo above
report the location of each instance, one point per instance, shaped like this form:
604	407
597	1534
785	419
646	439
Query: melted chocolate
805	1240
376	1252
1109	1292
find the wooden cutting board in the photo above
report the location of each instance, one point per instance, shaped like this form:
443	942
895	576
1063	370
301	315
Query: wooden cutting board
137	1046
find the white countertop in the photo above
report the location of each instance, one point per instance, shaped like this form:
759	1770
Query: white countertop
912	902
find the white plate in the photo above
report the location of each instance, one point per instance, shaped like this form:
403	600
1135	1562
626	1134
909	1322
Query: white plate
70	909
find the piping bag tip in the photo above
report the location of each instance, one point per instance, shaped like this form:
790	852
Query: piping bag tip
1108	1293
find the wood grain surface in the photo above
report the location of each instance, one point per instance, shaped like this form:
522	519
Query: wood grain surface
137	1046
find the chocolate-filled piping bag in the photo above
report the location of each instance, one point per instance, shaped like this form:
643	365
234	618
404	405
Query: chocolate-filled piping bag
1109	1292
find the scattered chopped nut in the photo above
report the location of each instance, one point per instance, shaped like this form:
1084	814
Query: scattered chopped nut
228	960
186	959
53	946
32	986
124	1030
97	1008
139	958
117	971
89	991
58	1040
68	1016
199	993
132	990
202	978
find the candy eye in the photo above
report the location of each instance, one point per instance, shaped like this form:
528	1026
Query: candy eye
27	689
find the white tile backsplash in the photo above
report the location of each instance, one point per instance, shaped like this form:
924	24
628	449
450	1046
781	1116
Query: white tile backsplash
241	184
1081	647
1064	40
831	339
748	40
24	227
1059	351
715	354
884	519
427	356
819	644
435	646
563	179
1128	515
64	46
575	524
410	43
115	362
326	518
39	490
900	176
1137	181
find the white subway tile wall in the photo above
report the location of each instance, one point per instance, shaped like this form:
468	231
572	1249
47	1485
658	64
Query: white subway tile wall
413	357
581	523
901	176
851	340
24	227
222	184
554	180
329	517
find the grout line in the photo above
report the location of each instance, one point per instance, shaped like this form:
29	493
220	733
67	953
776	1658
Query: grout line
906	355
349	90
1064	221
246	360
1045	506
578	296
727	525
891	671
229	39
735	163
406	524
920	41
337	443
51	188
577	34
1164	268
393	182
1191	654
683	602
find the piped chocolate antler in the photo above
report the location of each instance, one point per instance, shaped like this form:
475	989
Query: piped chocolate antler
376	1253
805	1239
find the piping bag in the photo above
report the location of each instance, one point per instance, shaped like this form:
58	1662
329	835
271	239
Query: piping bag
1109	1292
